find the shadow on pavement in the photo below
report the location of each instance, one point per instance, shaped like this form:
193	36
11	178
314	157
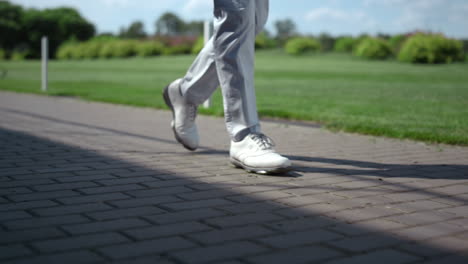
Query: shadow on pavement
60	203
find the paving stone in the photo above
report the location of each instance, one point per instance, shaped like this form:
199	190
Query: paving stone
72	209
11	251
187	205
383	256
428	231
145	260
292	225
423	205
365	243
77	257
79	242
64	186
41	195
110	189
26	205
10	237
167	230
189	215
296	255
146	247
300	238
264	206
461	211
453	259
121	181
231	234
244	219
134	202
102	226
422	249
365	227
219	252
25	183
127	212
12	215
14	190
38	222
160	191
421	218
96	198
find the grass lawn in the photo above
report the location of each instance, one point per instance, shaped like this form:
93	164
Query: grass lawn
428	103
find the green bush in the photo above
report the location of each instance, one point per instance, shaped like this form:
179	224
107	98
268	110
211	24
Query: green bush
301	45
2	54
396	42
263	41
118	49
19	55
91	49
198	46
430	48
373	48
345	44
125	48
107	50
65	51
177	49
149	48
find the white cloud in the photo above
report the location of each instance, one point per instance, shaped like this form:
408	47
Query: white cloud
119	3
325	13
328	15
197	5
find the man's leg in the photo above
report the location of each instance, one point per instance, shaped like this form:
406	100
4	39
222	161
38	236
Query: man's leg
229	57
236	25
234	47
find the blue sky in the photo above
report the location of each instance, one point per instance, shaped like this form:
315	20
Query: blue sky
311	16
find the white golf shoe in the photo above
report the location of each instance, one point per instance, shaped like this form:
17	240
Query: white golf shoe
256	154
183	116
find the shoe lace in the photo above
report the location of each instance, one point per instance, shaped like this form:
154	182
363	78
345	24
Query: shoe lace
263	141
192	111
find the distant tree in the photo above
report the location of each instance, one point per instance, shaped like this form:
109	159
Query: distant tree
193	28
383	35
169	24
134	31
327	41
285	29
58	24
105	35
10	24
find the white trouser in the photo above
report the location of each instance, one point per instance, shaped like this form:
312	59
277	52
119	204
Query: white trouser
227	60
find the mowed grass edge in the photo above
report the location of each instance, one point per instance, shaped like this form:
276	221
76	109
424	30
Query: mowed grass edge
421	102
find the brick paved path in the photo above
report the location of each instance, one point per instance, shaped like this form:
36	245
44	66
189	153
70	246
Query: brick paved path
87	182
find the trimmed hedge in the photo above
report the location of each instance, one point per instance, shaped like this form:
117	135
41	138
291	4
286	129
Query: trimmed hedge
109	48
431	48
149	49
373	48
263	41
301	45
198	46
177	50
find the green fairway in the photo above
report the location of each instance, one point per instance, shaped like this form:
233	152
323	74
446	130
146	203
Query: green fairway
422	102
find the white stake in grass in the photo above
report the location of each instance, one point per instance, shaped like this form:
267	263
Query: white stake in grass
45	58
207	35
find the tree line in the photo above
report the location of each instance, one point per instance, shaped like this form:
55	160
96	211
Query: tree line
22	29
